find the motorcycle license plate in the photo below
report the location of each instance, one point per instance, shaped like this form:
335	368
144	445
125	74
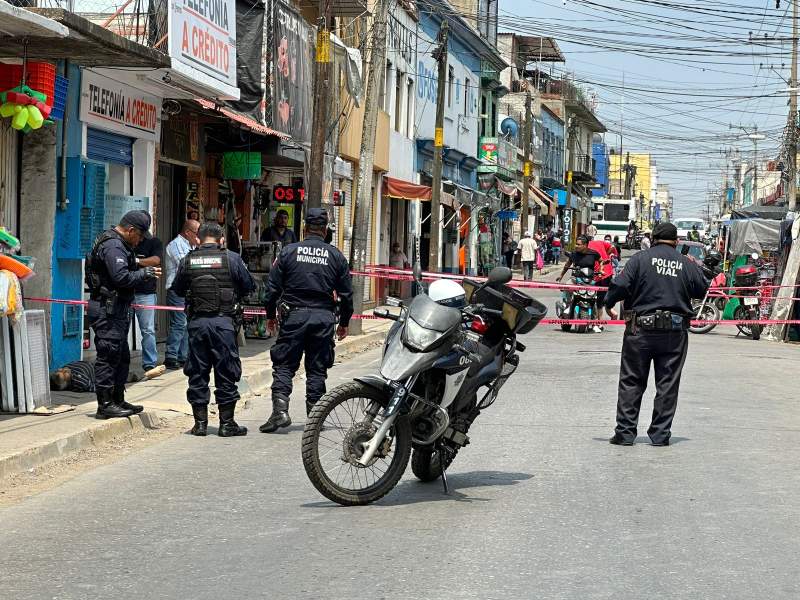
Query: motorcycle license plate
751	301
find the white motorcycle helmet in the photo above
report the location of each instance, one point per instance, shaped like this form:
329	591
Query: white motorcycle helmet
447	293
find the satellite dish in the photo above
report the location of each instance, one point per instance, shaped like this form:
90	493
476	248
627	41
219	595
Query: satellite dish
509	127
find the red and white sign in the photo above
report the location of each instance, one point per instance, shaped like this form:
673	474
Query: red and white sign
202	35
108	104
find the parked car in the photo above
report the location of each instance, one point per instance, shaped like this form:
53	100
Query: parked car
694	250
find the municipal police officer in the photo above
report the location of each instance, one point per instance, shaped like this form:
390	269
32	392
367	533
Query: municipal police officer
213	280
657	286
302	284
112	276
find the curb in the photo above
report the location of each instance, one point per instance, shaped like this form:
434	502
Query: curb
103	432
99	433
262	378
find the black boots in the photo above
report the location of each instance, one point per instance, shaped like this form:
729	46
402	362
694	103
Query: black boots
279	417
200	412
119	400
107	407
227	426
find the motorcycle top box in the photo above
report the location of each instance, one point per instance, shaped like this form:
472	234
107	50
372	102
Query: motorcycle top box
746	276
521	313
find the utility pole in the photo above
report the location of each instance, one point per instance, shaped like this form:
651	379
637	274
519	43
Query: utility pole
323	86
782	309
366	159
526	167
438	147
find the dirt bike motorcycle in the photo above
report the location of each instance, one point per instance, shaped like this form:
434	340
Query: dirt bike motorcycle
579	303
445	359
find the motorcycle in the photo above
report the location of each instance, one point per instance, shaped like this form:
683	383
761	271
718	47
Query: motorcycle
711	306
749	300
438	355
578	304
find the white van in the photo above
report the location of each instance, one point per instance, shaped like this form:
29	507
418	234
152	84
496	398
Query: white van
686	225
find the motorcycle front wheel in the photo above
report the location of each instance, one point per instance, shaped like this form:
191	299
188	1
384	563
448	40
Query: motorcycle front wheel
709	312
333	438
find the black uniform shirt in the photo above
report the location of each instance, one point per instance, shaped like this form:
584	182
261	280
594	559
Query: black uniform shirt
306	274
584	260
147	249
243	282
115	257
660	278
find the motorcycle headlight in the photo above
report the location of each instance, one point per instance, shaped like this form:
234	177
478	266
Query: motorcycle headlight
419	338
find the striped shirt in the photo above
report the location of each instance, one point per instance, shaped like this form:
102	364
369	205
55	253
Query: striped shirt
82	376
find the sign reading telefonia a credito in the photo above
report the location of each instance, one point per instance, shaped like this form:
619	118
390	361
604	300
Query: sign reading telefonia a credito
202	35
108	104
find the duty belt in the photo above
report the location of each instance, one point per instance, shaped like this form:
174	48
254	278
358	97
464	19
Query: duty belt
660	320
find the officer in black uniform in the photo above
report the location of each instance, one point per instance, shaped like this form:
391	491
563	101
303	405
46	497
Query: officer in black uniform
112	276
213	280
657	286
302	283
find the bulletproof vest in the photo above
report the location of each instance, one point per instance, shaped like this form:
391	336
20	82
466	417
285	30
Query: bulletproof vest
211	290
95	274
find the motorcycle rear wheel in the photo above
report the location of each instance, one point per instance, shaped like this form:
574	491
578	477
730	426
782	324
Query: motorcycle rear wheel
709	313
329	452
425	463
752	331
566	327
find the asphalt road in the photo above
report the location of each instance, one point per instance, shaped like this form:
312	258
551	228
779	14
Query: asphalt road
542	507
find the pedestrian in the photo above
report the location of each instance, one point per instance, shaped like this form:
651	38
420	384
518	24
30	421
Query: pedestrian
148	254
591	231
397	260
213	280
645	244
177	338
303	282
603	276
279	231
113	277
527	254
509	248
656	286
556	245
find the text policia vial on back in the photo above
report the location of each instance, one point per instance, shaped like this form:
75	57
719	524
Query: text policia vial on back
667	267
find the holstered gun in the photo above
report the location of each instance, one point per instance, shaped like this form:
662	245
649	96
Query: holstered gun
629	317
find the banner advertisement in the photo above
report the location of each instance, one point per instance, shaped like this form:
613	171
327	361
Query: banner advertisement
114	106
292	76
202	35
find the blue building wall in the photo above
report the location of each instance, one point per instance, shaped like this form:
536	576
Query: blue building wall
67	272
600	155
552	152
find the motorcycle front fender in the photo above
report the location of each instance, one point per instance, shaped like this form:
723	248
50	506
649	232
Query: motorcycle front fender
376	382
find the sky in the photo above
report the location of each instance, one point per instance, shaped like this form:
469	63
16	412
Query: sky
683	80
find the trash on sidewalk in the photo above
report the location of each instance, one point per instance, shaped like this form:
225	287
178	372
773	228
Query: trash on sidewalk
47	411
155	372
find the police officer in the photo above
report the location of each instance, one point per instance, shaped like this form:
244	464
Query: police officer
302	284
112	276
657	286
213	280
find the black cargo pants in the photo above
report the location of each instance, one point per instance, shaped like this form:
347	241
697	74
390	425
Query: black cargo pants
666	350
212	345
309	332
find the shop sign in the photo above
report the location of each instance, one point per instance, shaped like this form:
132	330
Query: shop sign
114	106
285	193
181	137
292	59
202	35
498	152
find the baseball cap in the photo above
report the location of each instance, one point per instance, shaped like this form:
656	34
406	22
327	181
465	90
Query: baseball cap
139	219
317	217
665	231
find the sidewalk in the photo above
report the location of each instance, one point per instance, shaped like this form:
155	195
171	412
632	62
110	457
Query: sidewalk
28	441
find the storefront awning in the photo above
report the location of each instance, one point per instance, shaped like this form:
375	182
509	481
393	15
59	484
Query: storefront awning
242	119
18	22
404	190
507	189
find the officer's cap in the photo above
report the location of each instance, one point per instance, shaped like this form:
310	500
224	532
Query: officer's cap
318	217
665	231
139	219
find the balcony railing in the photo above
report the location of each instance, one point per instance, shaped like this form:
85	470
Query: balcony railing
563	88
585	164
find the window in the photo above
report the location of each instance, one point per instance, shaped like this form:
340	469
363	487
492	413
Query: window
483	115
466	98
616	212
398	100
450	82
410	108
386	100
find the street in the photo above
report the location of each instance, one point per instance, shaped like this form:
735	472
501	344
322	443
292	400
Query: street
541	505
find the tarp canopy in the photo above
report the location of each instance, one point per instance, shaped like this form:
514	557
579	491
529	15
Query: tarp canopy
777	213
397	188
754	235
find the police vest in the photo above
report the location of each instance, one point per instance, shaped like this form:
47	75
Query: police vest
211	290
96	275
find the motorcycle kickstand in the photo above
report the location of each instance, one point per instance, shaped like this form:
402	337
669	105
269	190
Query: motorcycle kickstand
441	450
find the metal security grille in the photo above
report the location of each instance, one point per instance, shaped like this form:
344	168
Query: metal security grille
110	147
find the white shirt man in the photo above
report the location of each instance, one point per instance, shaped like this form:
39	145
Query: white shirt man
177	339
527	253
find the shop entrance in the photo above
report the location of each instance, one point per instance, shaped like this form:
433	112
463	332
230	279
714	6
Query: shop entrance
169	215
